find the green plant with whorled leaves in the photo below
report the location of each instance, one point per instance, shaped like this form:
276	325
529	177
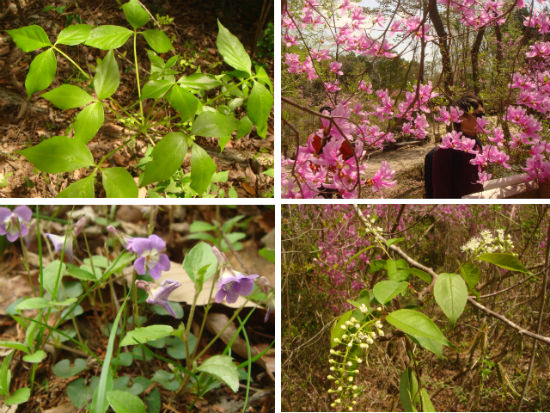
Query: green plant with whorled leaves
216	106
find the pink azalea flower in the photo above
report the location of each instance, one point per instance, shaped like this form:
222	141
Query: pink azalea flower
384	178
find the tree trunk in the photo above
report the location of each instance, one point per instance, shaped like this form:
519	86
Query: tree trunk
435	17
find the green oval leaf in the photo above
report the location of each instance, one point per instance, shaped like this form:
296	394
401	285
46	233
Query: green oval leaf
33	303
51	273
73	35
202	169
506	261
158	40
29	38
408	390
19	396
108	37
107	77
118	183
259	107
15	345
59	154
417	324
451	294
68	97
200	81
471	275
168	155
41	72
423	275
66	369
200	258
232	50
385	291
245	126
146	334
88	122
136	15
35	357
427	405
398	270
214	124
125	402
83	188
184	102
223	368
155	89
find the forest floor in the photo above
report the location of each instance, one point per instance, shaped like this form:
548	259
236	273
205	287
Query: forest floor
172	224
25	122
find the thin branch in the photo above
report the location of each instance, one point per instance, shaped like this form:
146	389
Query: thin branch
471	300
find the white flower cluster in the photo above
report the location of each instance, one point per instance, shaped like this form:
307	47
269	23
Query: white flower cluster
344	364
370	226
488	242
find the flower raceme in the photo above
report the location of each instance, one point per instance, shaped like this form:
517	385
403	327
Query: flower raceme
15	224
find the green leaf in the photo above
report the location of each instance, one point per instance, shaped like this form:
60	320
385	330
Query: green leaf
41	72
107	76
336	331
158	40
199	81
385	291
125	402
416	323
223	368
108	37
84	188
5	374
398	270
201	226
35	357
200	256
244	128
433	346
392	241
175	347
29	38
99	400
506	261
427	405
408	390
423	275
166	379
259	107
471	275
155	89
202	169
136	15
73	35
19	396
33	303
66	369
50	275
118	183
184	102
15	345
80	273
232	50
214	124
263	77
168	155
59	154
268	254
146	334
68	97
78	393
451	294
88	122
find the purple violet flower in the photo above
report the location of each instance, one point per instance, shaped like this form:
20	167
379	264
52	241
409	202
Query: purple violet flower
58	242
159	294
149	255
15	224
232	284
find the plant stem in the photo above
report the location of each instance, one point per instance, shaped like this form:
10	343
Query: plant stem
137	77
72	61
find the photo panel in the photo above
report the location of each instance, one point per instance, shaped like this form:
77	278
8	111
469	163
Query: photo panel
392	307
132	308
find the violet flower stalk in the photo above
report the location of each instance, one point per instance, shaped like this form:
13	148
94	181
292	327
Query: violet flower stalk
150	259
159	294
15	224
